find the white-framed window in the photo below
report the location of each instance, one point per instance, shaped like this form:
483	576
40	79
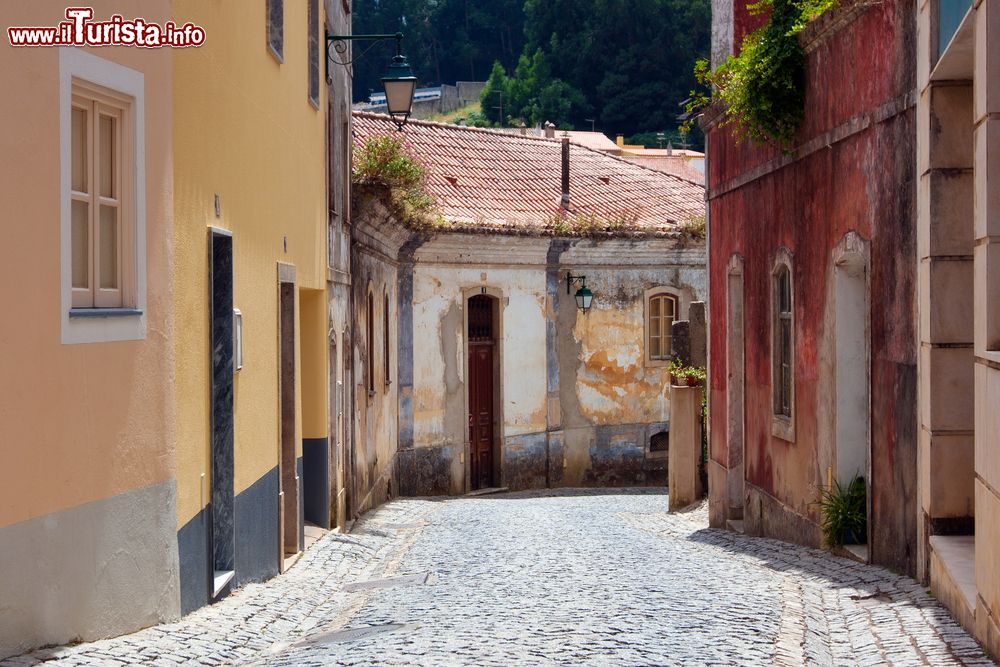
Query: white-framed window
662	307
102	186
783	347
102	264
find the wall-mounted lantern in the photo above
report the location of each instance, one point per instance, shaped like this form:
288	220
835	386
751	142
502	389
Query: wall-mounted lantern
584	297
399	82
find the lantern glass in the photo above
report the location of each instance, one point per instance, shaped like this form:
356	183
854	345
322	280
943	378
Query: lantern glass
400	85
584	297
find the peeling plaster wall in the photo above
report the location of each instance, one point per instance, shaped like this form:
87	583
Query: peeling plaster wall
579	401
853	172
371	461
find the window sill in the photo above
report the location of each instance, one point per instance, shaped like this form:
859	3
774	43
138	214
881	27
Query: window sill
783	428
104	312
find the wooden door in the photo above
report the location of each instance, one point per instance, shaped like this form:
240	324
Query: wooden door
481	413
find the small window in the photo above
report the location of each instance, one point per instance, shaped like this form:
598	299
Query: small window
276	28
371	344
783	343
385	341
783	348
660	442
101	217
661	311
314	52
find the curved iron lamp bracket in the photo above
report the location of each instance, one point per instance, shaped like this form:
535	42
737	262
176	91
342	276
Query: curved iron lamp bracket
339	43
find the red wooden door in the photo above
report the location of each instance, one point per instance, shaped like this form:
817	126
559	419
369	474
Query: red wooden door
481	413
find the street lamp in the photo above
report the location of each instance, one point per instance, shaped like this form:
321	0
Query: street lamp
399	82
584	297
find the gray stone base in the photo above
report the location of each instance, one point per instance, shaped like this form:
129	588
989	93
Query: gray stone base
765	516
97	570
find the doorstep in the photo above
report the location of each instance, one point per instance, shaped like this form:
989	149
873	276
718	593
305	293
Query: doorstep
953	575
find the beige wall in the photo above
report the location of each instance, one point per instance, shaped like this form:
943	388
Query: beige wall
959	220
87	421
86	430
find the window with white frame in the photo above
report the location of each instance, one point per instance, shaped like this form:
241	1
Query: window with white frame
783	347
101	176
102	246
661	311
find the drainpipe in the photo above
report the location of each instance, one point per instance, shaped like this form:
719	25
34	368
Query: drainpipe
564	202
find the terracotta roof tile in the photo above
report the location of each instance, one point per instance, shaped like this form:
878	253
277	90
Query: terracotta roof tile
491	180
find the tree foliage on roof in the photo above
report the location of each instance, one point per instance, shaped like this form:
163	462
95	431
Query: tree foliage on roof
385	163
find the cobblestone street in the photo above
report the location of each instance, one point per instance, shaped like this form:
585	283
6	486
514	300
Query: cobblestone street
567	577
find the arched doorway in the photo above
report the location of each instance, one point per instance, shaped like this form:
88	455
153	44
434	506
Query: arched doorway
483	389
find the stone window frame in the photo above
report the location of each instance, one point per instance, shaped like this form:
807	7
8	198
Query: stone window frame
782	424
121	87
370	342
386	341
659	290
275	24
313	39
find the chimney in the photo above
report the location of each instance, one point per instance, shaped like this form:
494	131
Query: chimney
550	130
524	129
620	140
670	149
564	202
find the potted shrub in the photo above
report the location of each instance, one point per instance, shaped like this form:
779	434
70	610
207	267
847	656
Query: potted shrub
690	376
845	513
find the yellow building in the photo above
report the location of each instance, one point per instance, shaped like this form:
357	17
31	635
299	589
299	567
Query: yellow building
250	215
87	422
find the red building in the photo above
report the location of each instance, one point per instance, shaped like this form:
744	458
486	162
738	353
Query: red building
813	344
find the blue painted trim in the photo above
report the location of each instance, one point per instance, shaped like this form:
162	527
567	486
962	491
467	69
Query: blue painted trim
105	312
257	530
193	549
316	480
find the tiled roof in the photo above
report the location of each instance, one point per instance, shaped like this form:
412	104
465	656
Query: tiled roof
492	181
678	166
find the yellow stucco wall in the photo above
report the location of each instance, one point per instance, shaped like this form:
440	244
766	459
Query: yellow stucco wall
243	128
78	422
314	352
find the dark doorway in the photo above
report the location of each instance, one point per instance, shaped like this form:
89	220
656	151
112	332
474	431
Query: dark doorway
289	463
483	392
223	534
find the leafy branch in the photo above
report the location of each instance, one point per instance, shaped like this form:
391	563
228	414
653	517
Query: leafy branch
385	161
762	87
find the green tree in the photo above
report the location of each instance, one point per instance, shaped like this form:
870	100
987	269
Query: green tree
492	97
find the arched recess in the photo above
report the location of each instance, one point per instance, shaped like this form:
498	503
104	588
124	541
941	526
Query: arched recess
852	419
735	387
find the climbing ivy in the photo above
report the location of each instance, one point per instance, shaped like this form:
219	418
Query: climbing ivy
762	86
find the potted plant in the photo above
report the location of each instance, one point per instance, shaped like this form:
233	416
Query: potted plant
690	376
845	514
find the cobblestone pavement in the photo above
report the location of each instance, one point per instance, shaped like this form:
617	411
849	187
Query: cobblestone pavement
567	577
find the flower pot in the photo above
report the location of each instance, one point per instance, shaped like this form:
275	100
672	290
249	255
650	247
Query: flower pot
693	381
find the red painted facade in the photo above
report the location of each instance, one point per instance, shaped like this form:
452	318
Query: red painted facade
852	171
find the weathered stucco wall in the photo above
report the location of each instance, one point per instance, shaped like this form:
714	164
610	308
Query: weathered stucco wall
87	431
579	400
853	173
